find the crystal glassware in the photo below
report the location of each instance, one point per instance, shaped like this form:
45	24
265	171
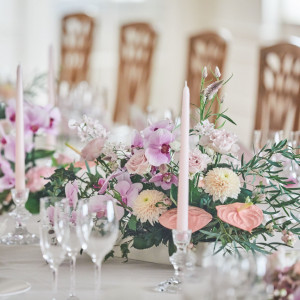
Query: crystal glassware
181	260
65	229
52	251
98	228
21	236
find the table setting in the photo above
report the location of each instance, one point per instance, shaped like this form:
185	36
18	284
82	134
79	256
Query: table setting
204	221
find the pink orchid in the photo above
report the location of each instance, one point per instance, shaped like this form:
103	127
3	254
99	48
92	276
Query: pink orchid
164	180
93	149
158	147
10	111
71	191
107	180
50	214
128	191
137	141
96	204
7	181
36	177
35	118
73	217
54	118
163	124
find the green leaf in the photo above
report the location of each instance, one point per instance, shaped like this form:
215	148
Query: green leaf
109	254
33	203
227	118
39	154
141	243
132	223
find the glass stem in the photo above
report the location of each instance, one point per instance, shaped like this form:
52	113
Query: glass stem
98	277
54	282
73	275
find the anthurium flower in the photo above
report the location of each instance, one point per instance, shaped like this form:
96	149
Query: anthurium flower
158	147
198	218
93	149
245	216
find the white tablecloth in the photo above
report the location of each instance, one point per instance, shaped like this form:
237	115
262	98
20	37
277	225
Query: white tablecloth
131	280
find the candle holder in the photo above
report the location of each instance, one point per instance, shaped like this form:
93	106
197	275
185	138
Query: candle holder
21	236
181	260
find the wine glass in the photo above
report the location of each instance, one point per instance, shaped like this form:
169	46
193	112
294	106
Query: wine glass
52	251
97	227
65	227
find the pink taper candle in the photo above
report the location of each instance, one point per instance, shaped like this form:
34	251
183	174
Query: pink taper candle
51	139
51	83
183	186
20	152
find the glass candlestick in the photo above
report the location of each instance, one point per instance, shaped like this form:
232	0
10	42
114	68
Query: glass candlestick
182	261
21	236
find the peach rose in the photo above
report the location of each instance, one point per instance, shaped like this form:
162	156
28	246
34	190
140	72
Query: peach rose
35	177
138	163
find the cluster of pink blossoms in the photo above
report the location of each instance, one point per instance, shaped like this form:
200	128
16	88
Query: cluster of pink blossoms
37	120
219	140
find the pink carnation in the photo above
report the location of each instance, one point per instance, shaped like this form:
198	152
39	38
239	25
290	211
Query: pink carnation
224	142
36	177
198	161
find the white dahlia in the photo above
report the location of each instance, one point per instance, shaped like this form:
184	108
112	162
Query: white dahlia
146	207
222	183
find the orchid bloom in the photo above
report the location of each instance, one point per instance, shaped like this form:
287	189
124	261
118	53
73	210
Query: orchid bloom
163	124
54	118
137	141
164	180
10	111
128	190
158	147
7	181
36	118
71	191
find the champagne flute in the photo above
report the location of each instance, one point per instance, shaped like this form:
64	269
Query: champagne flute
65	227
52	251
98	227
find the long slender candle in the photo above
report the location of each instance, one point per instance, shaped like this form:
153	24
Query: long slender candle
20	148
183	186
51	139
51	83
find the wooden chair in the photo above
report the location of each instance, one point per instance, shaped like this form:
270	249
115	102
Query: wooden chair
137	43
208	49
278	101
76	45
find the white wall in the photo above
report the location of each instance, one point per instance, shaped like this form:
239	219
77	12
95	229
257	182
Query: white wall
27	27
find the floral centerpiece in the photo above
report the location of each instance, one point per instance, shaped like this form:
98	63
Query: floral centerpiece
38	120
232	201
283	274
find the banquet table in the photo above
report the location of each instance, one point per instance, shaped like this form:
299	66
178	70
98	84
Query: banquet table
132	280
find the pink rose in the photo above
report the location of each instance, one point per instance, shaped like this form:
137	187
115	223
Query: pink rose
198	161
138	163
93	149
35	177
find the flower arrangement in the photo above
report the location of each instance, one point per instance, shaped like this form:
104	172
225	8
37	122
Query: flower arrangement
38	120
283	276
232	201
